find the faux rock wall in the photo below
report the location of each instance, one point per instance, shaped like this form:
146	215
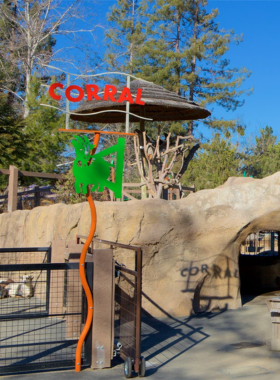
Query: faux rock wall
190	246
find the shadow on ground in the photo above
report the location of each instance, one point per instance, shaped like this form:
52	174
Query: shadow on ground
164	339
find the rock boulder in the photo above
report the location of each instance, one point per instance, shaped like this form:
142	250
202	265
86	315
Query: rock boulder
190	246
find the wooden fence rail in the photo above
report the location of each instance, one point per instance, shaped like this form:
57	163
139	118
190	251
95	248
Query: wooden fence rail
168	194
13	194
13	174
35	195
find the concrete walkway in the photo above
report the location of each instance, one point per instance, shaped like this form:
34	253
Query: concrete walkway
234	344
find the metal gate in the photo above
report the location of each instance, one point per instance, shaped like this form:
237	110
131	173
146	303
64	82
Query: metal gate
128	292
261	243
39	330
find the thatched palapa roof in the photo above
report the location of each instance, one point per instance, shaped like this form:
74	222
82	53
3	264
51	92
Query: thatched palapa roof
160	105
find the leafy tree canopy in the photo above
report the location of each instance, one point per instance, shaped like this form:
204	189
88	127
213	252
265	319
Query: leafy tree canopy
263	158
218	160
42	126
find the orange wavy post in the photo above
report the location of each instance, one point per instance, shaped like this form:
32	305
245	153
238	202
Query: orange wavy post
82	271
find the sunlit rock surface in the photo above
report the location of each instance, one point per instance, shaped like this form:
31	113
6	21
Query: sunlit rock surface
190	246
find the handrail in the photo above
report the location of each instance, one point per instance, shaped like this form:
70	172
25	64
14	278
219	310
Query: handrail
24	249
127	246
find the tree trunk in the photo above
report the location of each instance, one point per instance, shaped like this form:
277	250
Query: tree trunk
28	64
27	84
177	49
188	160
193	64
131	47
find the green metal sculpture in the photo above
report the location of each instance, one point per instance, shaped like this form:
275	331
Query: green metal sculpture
94	170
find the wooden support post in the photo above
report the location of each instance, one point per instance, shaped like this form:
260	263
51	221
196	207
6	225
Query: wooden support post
13	188
103	323
141	141
144	192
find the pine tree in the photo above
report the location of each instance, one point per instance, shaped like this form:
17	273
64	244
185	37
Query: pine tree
184	51
263	158
41	127
125	35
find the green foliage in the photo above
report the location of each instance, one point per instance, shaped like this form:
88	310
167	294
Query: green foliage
182	49
213	165
14	144
263	159
125	35
65	188
41	127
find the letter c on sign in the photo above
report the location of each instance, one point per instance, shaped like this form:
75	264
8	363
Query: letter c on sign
74	87
52	88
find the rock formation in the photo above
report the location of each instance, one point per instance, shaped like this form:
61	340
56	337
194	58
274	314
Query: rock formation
190	246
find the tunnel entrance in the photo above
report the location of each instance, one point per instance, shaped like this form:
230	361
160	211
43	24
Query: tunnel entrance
259	265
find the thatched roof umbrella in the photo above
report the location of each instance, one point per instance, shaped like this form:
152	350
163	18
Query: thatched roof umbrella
160	105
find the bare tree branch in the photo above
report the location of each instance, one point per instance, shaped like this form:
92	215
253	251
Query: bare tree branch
34	24
160	158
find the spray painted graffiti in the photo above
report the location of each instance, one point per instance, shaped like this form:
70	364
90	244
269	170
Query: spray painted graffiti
211	284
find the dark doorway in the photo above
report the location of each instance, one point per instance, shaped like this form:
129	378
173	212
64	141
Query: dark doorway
259	264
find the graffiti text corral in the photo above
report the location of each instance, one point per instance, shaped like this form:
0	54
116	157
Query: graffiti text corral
92	90
215	271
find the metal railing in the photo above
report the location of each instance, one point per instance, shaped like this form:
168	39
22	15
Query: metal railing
39	330
261	243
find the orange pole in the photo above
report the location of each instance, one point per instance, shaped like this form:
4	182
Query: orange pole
82	272
96	141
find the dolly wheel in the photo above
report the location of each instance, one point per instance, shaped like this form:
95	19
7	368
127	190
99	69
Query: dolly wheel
128	368
142	367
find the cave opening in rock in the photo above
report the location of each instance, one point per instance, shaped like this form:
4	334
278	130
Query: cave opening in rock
259	265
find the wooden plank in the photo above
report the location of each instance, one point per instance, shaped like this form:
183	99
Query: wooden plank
133	184
13	187
133	191
24	173
111	195
114	244
4	171
128	195
39	175
104	279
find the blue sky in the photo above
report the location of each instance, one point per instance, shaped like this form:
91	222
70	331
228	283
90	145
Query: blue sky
259	52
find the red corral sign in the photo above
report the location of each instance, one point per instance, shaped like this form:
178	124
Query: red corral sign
110	93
